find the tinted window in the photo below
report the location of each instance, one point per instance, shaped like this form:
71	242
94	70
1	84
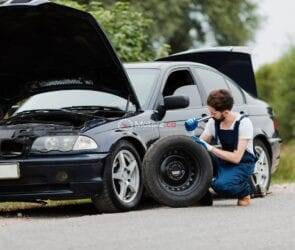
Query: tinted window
176	80
192	93
236	93
211	80
143	81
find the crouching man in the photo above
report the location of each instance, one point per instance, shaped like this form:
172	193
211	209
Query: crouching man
235	162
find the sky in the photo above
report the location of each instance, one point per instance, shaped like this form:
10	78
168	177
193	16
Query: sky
276	33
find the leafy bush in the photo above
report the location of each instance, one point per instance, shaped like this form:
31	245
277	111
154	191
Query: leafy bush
276	84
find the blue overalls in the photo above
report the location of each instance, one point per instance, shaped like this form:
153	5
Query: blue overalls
232	180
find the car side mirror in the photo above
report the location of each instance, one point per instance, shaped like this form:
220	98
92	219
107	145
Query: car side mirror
12	110
176	102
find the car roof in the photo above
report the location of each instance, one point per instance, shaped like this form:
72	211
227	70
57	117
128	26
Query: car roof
23	2
238	49
164	65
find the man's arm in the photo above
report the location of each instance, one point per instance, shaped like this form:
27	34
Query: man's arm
235	156
208	132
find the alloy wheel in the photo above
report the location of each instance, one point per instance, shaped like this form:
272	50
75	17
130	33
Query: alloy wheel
125	176
261	171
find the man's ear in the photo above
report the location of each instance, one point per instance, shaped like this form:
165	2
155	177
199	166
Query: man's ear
226	112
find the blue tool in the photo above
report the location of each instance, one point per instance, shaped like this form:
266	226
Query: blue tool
193	123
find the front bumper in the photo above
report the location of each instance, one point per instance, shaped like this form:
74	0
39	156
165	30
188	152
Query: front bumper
55	177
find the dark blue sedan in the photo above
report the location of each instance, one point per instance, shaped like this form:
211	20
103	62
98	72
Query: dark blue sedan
76	123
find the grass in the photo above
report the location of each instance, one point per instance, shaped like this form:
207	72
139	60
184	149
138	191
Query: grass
286	171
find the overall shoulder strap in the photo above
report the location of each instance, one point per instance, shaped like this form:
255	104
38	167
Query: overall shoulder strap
237	124
236	130
217	129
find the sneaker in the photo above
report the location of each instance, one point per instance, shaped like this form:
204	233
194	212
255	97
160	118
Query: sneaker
245	201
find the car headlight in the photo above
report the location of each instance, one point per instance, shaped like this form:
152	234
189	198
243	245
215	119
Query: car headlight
63	143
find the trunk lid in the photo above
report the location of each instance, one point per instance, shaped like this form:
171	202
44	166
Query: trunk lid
235	62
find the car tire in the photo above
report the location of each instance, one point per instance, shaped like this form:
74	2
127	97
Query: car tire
122	180
262	172
177	172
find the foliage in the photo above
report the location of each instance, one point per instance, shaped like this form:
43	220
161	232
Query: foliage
286	171
276	84
127	29
225	22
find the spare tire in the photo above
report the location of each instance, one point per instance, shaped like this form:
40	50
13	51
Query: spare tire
177	172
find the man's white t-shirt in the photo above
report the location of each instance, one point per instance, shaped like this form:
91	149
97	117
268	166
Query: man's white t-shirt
246	130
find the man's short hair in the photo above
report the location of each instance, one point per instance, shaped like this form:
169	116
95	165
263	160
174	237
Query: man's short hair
220	100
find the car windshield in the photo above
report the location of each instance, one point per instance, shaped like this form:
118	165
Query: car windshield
143	81
73	98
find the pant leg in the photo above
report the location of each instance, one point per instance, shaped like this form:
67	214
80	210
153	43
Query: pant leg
233	181
215	162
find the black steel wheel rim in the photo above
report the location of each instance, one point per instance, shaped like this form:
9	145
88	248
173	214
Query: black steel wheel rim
178	171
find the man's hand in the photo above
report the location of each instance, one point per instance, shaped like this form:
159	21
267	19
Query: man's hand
203	143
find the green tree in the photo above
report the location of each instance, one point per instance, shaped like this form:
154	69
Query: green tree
226	22
266	78
276	84
128	30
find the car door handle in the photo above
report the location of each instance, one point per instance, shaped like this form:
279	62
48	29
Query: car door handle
243	112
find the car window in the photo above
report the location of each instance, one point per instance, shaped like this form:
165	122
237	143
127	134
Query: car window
192	93
210	80
176	80
236	93
143	81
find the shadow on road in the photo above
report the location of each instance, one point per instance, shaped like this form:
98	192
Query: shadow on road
64	211
85	208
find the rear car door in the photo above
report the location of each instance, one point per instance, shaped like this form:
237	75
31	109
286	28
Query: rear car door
212	80
239	98
209	80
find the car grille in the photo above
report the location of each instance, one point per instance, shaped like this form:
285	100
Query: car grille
11	148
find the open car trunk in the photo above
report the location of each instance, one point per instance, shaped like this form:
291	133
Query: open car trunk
234	62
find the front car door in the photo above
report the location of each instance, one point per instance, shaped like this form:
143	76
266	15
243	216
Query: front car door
180	82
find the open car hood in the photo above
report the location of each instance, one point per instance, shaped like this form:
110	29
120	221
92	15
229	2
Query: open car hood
44	43
235	62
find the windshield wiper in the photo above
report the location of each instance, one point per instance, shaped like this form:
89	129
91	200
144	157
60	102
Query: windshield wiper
94	108
43	111
32	113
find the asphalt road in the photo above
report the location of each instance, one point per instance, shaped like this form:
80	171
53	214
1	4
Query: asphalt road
269	223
